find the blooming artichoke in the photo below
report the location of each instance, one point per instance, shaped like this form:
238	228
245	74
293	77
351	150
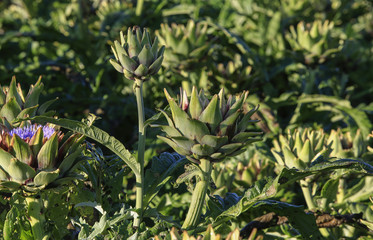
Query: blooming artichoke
13	104
34	157
137	57
300	148
214	129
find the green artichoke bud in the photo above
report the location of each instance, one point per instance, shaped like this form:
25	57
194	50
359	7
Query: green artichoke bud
136	56
233	73
344	146
185	44
214	129
14	105
311	38
300	148
34	157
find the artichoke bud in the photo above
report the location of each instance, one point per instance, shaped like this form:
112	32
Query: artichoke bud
345	146
186	44
300	148
201	128
136	56
36	157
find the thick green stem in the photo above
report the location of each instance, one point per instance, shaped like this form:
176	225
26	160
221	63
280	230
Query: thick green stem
140	153
139	7
36	218
198	197
304	184
307	194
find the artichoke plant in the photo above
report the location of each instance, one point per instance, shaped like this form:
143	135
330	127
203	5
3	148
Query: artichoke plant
300	148
313	39
36	157
207	131
186	44
136	56
214	129
14	105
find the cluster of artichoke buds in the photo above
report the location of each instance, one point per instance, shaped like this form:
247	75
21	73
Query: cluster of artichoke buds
14	105
34	157
344	146
312	38
185	44
136	56
215	129
300	148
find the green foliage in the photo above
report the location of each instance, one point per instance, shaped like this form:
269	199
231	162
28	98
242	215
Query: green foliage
308	64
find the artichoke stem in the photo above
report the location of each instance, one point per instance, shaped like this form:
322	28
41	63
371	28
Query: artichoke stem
36	218
304	184
198	197
140	153
139	7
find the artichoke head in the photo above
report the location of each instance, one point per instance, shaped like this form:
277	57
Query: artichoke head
14	105
136	56
300	148
214	129
346	146
185	43
34	157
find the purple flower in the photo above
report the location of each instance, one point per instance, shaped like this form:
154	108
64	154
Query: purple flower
29	131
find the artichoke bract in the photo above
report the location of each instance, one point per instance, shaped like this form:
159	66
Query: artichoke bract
199	128
136	56
300	148
35	157
14	105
